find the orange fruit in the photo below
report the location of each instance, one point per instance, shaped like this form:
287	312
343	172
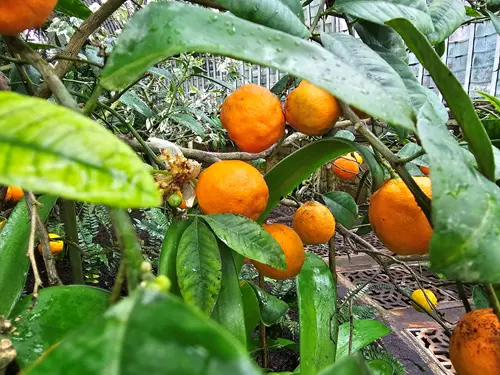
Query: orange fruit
475	344
314	223
232	186
419	295
253	117
311	110
424	170
292	248
17	16
346	167
397	220
55	246
14	194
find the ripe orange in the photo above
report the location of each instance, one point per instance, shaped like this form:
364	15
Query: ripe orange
14	194
397	220
253	117
55	246
232	186
314	223
424	170
292	248
475	344
17	16
346	167
311	110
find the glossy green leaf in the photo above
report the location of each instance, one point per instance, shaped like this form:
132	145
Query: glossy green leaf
74	8
247	238
169	28
271	307
480	297
272	344
296	7
380	367
494	20
458	100
317	300
148	333
132	100
447	16
365	226
351	365
343	207
465	209
188	122
251	308
51	149
14	263
346	134
199	266
271	13
471	12
381	11
440	48
352	50
228	310
365	332
295	168
58	311
379	35
168	257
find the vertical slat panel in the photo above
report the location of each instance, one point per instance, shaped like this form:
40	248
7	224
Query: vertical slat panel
470	56
494	77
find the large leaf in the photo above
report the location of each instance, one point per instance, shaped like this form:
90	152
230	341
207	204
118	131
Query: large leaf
228	310
250	307
317	299
58	311
296	7
494	20
51	149
343	207
353	51
480	298
149	333
458	100
383	36
132	100
247	238
352	365
199	267
272	13
295	168
271	307
188	122
14	263
381	11
447	16
380	367
465	209
364	332
168	256
169	28
74	8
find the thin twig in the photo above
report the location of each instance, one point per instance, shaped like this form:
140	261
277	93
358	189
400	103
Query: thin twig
463	296
31	255
351	326
412	157
116	291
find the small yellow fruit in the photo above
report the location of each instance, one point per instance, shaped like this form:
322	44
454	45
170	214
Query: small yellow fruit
55	246
419	296
358	158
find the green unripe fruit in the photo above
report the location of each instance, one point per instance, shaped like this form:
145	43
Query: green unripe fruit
174	200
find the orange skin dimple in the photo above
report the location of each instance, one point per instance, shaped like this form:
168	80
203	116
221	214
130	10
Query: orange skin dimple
293	249
397	220
314	223
19	15
346	167
232	186
14	194
475	344
311	110
253	117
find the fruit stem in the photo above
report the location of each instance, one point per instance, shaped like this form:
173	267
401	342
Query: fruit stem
492	296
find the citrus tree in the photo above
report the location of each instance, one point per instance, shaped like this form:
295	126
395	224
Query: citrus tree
195	316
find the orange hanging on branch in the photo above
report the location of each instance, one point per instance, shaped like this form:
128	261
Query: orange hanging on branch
19	15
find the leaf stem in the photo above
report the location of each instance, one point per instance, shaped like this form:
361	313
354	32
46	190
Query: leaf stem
492	296
91	103
412	157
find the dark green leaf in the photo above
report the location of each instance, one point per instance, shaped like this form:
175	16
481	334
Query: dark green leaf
295	168
74	8
51	149
271	307
494	20
296	7
272	13
459	102
215	80
317	299
272	344
169	28
199	267
383	36
494	101
250	307
365	226
163	73
346	134
14	263
447	16
440	48
16	78
380	367
471	12
282	83
168	257
480	297
130	99
42	46
343	207
228	310
58	311
365	332
247	238
493	5
149	333
381	11
352	365
189	122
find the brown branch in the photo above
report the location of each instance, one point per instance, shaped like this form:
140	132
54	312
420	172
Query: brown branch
31	252
77	41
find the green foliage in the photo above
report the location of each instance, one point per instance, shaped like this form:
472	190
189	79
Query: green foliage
447	16
343	207
364	333
74	8
351	365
